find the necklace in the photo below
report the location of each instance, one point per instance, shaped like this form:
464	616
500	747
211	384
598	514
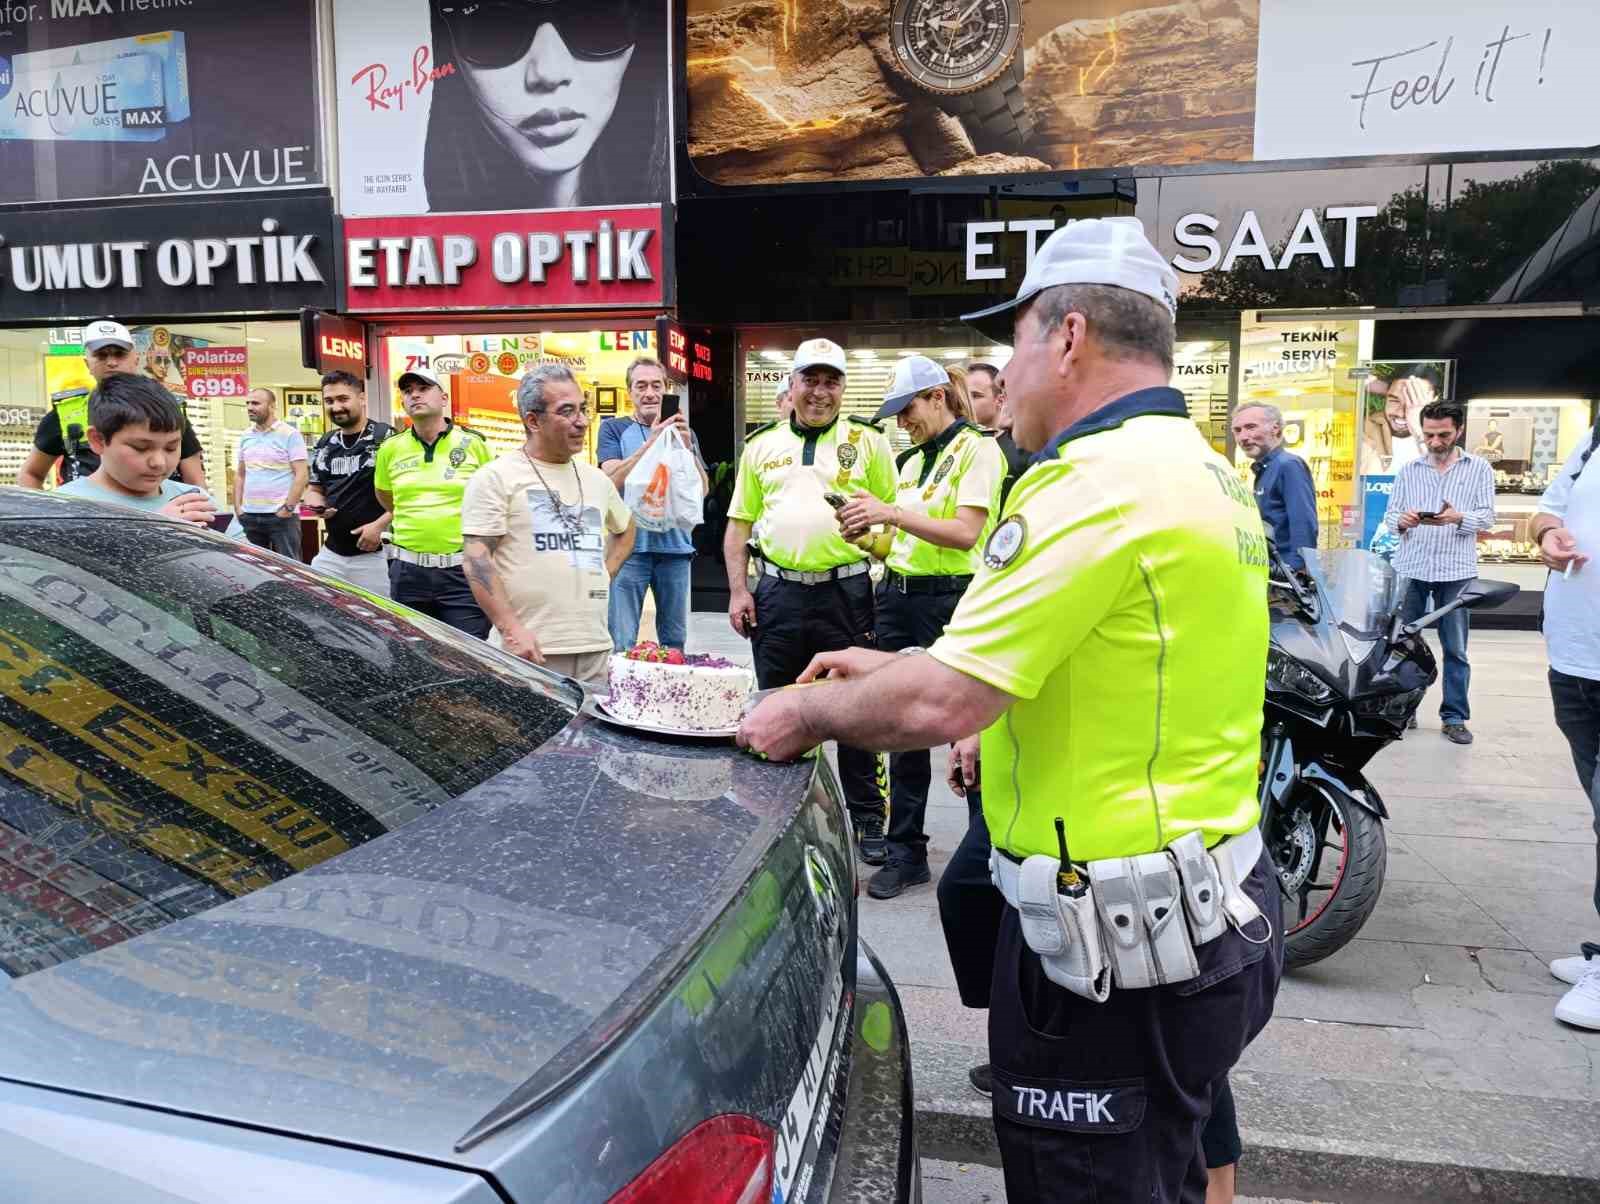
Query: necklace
572	520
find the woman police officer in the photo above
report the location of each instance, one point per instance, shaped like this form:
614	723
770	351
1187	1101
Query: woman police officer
948	496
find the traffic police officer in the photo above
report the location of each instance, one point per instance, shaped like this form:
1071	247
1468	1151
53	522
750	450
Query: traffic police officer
420	477
813	593
1113	653
63	433
948	493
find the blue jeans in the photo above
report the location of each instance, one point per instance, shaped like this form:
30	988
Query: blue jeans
1423	596
666	575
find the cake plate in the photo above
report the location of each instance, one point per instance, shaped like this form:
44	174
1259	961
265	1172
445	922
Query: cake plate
595	705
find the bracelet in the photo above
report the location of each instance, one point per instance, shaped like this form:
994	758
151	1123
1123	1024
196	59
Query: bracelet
1538	540
894	520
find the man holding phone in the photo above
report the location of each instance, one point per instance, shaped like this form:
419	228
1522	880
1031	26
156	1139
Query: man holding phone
1439	505
661	560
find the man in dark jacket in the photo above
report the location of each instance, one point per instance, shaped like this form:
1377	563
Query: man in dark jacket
1284	490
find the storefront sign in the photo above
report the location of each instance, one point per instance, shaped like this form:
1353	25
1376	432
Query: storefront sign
332	343
216	371
434	116
560	258
103	99
1333	239
1371	77
244	256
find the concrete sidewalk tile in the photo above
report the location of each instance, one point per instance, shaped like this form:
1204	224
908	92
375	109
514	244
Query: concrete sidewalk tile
1564	817
1404	863
910	942
1364	983
936	1014
1517	1067
1435	913
1493	1019
1480	864
1540	919
1315	1049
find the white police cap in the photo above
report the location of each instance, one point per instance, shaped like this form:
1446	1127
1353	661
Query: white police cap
912	375
1094	250
106	333
819	353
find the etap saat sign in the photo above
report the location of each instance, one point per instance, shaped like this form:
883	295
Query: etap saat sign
216	257
563	259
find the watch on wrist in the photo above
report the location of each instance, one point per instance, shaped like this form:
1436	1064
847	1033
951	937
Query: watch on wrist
967	55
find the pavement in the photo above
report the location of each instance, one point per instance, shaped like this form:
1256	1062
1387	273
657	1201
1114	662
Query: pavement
1421	1062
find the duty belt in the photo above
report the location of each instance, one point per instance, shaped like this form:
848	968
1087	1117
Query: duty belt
427	560
926	585
818	578
1138	921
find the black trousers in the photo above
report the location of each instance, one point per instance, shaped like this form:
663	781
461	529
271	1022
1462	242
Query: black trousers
794	622
442	594
1101	1102
910	621
1577	704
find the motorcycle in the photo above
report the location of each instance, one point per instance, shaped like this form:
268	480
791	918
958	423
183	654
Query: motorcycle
1344	677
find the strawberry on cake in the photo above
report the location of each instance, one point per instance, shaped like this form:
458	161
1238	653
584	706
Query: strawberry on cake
664	688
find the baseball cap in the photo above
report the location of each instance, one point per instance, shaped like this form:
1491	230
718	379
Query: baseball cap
420	378
104	333
819	353
1091	250
912	375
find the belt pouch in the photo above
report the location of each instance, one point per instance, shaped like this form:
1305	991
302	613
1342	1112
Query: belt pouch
1240	908
1062	930
1202	888
1161	895
1121	911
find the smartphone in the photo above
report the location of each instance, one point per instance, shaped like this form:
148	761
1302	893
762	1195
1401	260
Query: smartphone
836	500
220	522
1427	515
670	403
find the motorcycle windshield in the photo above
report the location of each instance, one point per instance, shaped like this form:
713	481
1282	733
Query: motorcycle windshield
1360	589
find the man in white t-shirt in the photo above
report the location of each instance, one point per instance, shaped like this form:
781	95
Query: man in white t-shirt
545	533
1567	530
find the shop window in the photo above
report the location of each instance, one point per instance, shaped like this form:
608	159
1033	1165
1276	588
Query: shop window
1200	372
1527	440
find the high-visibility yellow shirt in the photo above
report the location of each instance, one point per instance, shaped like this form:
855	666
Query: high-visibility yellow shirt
1123	603
428	483
960	467
784	474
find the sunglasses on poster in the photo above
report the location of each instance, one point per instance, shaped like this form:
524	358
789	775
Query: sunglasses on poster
498	33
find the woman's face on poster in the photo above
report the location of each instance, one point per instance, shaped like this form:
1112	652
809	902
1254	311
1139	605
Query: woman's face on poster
550	106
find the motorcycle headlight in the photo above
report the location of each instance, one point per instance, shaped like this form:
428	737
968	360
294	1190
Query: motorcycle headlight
1295	678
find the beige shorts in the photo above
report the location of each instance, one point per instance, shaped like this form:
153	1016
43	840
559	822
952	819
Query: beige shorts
589	667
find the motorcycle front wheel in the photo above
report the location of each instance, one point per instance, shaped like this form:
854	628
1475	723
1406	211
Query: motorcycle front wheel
1330	854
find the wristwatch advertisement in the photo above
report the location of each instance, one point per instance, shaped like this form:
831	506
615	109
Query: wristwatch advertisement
967	55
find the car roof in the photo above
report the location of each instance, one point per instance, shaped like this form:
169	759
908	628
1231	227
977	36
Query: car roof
19	503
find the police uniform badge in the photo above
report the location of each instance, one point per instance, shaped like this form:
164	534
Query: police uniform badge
944	470
847	456
458	456
1005	542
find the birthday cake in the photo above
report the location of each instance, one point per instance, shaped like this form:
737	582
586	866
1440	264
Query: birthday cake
664	688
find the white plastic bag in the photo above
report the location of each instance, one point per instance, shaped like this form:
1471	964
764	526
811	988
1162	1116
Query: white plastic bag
664	490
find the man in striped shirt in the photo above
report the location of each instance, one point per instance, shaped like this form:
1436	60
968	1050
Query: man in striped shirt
1439	505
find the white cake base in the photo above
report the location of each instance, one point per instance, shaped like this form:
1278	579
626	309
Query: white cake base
689	697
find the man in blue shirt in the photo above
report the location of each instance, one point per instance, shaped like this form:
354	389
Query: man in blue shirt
661	559
1284	492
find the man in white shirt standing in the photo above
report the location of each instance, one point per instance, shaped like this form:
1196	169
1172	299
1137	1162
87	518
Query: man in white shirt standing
1439	505
1567	530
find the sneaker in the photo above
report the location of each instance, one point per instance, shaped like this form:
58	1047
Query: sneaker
897	877
1581	1005
1457	733
1411	723
1570	969
982	1079
870	844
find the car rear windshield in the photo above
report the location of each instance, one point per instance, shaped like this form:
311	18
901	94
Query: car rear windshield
184	719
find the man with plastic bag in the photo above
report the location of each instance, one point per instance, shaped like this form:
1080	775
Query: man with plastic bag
661	560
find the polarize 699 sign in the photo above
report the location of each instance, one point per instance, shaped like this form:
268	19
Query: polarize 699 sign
216	372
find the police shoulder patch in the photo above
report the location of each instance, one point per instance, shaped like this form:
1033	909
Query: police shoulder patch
867	422
467	430
1005	542
760	430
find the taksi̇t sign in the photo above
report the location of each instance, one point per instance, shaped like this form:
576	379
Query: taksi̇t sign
558	258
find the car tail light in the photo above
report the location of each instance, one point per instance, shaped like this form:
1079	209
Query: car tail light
726	1160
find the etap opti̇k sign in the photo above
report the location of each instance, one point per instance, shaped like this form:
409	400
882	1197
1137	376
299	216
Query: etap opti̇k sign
550	259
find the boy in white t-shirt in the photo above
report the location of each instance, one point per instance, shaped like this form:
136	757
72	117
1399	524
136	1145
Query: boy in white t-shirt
136	429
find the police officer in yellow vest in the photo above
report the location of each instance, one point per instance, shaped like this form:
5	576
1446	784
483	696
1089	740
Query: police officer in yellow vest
947	495
813	592
420	476
63	433
1112	651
